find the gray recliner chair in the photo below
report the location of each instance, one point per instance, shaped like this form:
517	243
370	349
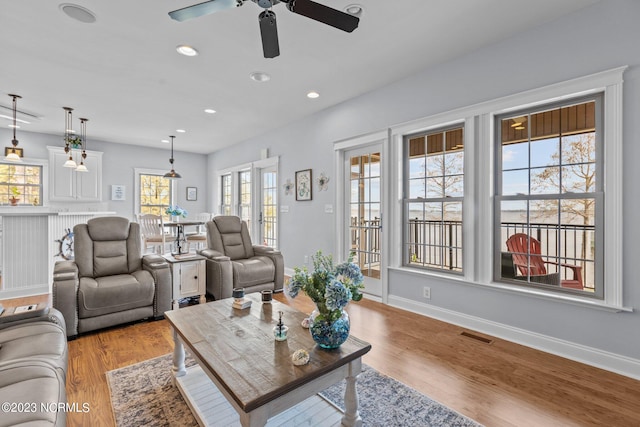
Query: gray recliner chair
234	262
109	282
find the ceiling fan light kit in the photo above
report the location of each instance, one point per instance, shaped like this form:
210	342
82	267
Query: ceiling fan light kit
267	19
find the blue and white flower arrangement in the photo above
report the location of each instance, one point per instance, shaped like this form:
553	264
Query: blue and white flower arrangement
330	286
176	211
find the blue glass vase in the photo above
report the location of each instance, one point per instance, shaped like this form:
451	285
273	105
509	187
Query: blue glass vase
329	334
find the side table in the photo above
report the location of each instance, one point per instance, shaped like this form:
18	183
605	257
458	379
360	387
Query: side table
188	277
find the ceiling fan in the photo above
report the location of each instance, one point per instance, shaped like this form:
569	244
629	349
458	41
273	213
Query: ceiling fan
267	18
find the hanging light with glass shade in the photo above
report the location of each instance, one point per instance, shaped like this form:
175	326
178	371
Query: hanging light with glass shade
70	139
172	174
83	141
12	155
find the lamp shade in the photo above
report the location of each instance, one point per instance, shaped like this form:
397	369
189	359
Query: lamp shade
172	174
13	157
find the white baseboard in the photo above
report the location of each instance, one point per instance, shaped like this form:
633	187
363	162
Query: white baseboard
588	355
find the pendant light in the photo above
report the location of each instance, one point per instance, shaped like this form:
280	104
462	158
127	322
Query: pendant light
172	174
68	137
83	137
13	156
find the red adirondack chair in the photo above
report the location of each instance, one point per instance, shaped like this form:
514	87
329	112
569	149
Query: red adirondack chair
527	257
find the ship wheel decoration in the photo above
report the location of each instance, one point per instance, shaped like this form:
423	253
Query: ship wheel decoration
65	245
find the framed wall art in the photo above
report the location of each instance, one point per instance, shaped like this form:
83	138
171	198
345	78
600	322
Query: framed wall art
118	192
192	193
303	184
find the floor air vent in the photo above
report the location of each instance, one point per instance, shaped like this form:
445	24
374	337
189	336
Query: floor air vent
476	337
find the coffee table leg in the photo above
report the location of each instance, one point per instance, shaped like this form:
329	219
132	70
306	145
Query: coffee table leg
179	369
351	416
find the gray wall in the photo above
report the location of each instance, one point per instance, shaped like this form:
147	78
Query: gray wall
594	39
118	163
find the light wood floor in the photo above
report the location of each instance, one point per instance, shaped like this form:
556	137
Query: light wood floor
496	384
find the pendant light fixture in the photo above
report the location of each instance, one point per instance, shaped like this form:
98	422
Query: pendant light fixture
69	137
83	137
13	156
172	174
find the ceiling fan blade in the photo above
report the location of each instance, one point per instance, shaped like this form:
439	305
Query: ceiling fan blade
269	33
202	9
319	12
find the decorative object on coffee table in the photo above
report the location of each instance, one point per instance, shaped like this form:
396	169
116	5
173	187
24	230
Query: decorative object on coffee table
280	330
330	288
300	357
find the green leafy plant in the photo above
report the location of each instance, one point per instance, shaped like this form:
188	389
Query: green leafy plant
330	287
15	191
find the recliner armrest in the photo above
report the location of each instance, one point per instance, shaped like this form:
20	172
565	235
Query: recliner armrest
65	293
161	272
265	250
219	273
278	262
213	254
154	262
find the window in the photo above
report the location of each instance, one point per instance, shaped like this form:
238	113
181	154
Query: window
250	191
225	195
434	190
549	196
21	184
154	193
244	208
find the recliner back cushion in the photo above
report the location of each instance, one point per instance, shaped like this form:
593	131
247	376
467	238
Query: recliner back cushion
234	236
110	258
107	246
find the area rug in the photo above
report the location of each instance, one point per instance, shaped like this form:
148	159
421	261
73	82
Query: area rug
143	395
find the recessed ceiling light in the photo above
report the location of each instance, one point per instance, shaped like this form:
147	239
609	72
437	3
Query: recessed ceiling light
2	116
14	126
79	13
166	141
259	76
210	111
180	130
354	9
313	94
187	50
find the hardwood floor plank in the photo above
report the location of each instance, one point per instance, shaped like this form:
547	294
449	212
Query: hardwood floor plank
498	384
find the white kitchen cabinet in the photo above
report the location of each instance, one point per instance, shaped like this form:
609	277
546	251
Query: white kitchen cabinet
65	184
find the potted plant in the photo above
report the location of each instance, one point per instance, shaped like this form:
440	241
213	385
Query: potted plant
330	287
14	196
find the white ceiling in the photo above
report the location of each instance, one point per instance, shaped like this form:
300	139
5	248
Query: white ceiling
123	72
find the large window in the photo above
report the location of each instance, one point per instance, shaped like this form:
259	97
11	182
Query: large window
21	184
155	194
434	191
549	196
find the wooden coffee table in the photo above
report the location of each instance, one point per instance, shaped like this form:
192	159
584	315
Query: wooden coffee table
245	377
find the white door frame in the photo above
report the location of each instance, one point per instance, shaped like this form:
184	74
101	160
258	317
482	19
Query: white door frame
340	147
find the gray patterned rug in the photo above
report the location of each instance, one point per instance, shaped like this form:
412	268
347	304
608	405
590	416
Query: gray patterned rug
142	395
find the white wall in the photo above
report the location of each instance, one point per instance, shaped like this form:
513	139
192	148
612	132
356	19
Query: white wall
118	163
597	38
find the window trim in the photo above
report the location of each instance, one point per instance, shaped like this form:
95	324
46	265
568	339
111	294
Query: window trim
478	215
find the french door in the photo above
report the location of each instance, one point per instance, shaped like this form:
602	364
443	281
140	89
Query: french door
268	215
363	212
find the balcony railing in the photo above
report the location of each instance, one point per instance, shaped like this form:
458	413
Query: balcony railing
438	244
